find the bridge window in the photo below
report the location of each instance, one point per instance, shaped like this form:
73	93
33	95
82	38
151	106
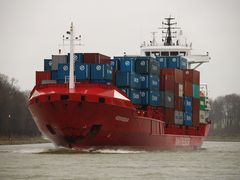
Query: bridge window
182	53
173	53
156	53
147	53
164	53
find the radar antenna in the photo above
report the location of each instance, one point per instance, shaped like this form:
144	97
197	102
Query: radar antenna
168	30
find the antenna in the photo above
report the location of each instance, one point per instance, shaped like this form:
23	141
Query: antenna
168	30
154	42
72	39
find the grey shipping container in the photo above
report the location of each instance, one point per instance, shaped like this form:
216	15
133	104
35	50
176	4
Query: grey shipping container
147	65
58	59
167	99
178	117
49	82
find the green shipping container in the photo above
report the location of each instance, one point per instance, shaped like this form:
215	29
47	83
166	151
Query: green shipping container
202	103
196	91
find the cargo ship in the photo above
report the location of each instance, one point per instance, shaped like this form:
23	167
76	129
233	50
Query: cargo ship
150	101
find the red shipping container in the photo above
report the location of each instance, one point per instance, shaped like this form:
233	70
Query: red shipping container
42	75
195	118
169	115
167	83
178	103
96	58
176	73
159	113
150	112
187	89
196	104
191	75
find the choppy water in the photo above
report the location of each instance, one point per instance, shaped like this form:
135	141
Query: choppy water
215	161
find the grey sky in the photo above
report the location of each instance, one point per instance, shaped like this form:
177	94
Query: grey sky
30	30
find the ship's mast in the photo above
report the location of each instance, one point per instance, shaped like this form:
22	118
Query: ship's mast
168	27
154	41
71	70
72	39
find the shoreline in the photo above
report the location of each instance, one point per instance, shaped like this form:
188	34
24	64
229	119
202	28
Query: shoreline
235	138
22	140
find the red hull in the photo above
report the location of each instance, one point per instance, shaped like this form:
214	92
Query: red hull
100	116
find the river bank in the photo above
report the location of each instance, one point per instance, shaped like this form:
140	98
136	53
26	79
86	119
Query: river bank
230	138
22	140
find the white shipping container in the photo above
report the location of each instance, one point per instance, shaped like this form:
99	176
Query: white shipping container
180	90
203	116
178	117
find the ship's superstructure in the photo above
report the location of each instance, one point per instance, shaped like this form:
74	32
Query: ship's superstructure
150	101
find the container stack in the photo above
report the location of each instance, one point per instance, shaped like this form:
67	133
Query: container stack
165	84
126	78
148	68
89	67
172	94
138	77
163	87
191	97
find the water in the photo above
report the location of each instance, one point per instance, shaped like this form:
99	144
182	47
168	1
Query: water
216	160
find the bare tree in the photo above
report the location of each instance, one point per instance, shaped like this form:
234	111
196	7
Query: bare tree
225	115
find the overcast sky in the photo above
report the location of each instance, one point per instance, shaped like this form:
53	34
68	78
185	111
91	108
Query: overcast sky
30	30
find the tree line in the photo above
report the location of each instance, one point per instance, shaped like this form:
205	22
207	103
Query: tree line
15	118
225	115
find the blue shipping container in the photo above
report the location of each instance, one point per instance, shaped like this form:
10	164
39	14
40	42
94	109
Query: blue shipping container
187	118
144	97
126	79
187	102
162	61
63	71
144	81
47	64
154	82
127	63
78	58
102	81
150	82
133	95
60	81
82	71
154	98
173	62
115	64
54	75
126	91
183	63
101	71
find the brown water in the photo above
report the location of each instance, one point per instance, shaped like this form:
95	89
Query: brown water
215	161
